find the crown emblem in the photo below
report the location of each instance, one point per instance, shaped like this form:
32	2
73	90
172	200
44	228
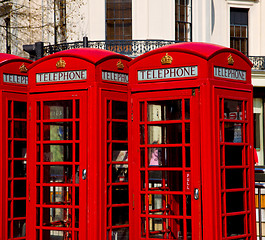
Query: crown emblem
23	68
61	63
120	65
230	60
166	60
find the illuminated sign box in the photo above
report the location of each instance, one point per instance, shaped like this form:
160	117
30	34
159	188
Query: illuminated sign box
230	73
61	76
168	73
115	76
18	79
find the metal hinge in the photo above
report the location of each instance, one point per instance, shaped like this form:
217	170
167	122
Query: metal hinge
193	92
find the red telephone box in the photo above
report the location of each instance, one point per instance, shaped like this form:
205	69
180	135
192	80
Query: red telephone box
192	144
13	142
78	146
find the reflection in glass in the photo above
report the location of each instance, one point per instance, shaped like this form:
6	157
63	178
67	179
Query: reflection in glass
58	109
120	233
165	134
119	152
59	174
56	235
20	168
164	110
57	195
58	131
233	109
165	180
19	228
20	149
57	153
233	132
57	217
120	173
20	129
165	157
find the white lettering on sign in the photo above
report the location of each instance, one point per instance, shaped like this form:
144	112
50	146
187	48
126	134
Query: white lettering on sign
115	76
167	73
230	73
18	79
61	76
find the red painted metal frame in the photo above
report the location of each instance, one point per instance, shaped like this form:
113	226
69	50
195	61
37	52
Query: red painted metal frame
205	57
93	90
10	65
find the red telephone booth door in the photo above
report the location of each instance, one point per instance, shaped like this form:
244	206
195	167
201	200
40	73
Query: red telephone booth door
57	195
166	189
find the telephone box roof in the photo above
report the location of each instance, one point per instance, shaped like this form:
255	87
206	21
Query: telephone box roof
6	58
92	55
203	50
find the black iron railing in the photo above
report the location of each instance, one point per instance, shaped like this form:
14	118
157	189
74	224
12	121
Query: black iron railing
132	48
258	62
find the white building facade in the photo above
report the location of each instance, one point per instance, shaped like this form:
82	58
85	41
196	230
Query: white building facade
238	24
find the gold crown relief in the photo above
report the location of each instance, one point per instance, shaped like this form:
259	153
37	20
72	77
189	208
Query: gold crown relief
61	63
230	60
120	65
23	68
166	60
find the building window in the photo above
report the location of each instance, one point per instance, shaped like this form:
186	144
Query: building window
8	35
183	20
118	19
239	29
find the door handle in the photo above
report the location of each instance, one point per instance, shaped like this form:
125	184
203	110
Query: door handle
196	193
84	174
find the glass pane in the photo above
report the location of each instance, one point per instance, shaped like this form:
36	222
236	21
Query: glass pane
20	169
119	110
57	195
58	109
233	132
57	217
165	204
165	157
233	109
20	110
19	188
19	208
120	216
234	202
19	228
119	131
77	109
58	131
20	149
234	178
56	235
120	194
165	180
120	173
20	129
59	174
233	155
165	134
57	153
119	152
164	110
235	225
187	109
120	233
